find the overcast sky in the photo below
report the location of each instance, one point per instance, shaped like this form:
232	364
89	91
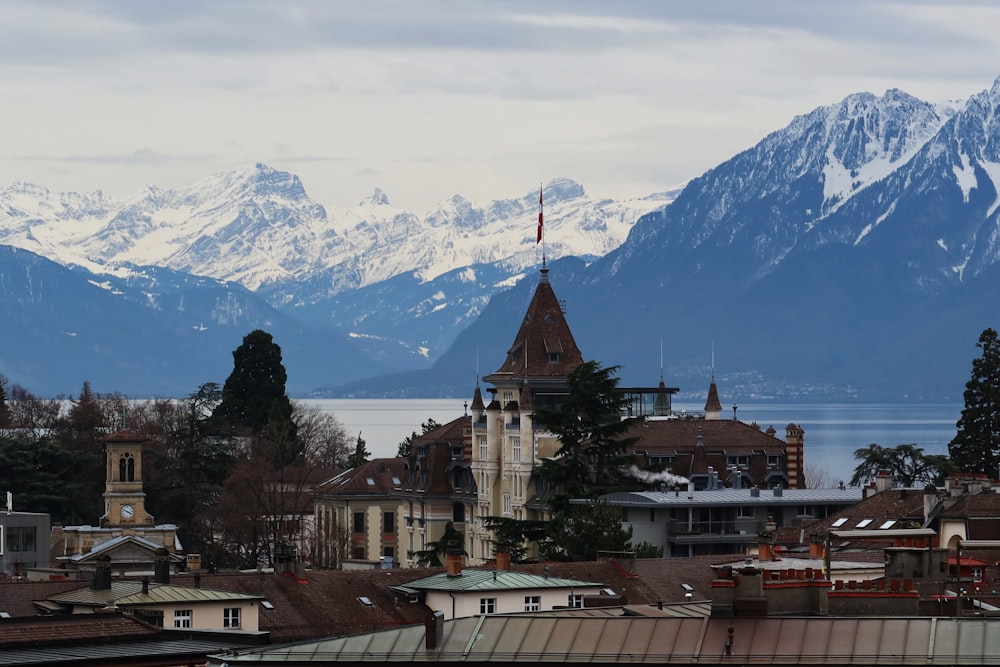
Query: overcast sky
430	99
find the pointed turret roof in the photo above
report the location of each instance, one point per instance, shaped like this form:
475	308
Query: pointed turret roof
544	346
713	404
477	400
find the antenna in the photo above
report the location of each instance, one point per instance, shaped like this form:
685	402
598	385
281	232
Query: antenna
661	359
713	360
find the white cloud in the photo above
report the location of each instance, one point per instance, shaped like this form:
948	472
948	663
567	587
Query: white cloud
429	99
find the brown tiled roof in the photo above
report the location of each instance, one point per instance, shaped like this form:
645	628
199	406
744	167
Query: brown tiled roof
382	473
72	629
681	435
16	597
664	576
979	505
543	331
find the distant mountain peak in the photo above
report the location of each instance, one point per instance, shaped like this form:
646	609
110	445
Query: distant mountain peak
377	198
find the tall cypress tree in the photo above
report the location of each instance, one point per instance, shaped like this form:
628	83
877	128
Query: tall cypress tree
976	445
254	393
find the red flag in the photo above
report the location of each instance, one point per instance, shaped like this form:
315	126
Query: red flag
539	240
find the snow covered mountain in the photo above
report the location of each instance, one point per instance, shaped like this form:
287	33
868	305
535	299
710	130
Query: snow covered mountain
400	286
854	253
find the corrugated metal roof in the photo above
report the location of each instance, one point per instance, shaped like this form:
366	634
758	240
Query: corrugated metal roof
493	580
610	640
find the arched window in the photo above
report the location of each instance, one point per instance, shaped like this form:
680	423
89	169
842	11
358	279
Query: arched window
126	468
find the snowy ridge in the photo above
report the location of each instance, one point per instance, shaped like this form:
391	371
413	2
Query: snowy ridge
256	226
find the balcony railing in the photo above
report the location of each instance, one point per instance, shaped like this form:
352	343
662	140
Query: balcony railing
734	528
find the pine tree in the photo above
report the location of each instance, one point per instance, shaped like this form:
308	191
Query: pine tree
360	455
254	393
976	445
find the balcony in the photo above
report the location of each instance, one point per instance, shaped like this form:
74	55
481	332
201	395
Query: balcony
739	531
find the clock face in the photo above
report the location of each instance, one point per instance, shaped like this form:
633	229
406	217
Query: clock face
127	511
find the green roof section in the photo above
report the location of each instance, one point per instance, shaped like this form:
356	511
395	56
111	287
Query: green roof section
130	593
494	580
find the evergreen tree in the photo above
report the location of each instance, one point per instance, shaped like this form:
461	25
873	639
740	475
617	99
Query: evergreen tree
907	465
360	454
579	532
976	445
592	456
452	540
253	396
403	449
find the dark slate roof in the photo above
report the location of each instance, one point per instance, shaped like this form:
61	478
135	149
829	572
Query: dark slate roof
110	639
712	403
543	331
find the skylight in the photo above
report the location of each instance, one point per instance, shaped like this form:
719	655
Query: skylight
266	604
839	522
371	481
365	601
887	524
864	523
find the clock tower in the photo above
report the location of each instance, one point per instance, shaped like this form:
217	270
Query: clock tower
124	500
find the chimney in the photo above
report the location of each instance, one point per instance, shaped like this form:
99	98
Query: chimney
503	560
454	564
778	490
883	481
161	567
197	581
930	501
816	547
434	626
102	577
765	551
145	585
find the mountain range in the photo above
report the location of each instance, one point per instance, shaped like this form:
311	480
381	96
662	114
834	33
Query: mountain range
850	255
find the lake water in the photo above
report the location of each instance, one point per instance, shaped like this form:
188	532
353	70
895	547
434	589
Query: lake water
832	432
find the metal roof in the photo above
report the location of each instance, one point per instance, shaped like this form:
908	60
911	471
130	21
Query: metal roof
493	580
159	593
847	496
629	639
130	592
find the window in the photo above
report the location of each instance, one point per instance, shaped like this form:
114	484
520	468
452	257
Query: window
231	617
388	522
741	460
483	448
182	618
532	602
840	522
744	512
515	446
506	503
773	461
458	512
359	522
864	523
20	538
575	600
487	605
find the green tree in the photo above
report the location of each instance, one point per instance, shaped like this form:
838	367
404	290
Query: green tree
907	465
360	455
403	450
592	456
253	396
976	445
580	531
514	535
452	540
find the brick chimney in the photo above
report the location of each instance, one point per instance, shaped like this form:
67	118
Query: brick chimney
795	456
503	560
883	481
454	564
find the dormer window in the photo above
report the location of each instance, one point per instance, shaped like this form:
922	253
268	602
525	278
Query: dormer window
553	357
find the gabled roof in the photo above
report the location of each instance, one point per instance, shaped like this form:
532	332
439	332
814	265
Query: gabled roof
494	580
117	543
160	593
544	346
